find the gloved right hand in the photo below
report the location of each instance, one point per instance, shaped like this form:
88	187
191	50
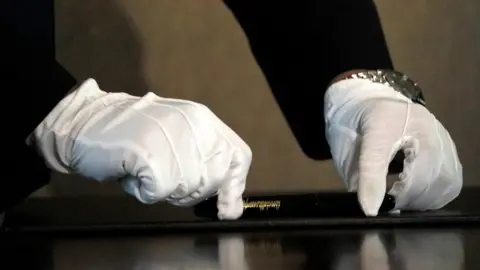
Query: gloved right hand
367	124
159	149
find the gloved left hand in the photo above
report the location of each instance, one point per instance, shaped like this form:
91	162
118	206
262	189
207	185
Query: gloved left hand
160	149
367	123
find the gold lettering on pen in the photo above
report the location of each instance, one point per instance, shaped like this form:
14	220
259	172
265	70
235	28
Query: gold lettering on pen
262	205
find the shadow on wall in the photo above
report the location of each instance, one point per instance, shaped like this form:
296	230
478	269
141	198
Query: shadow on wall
101	41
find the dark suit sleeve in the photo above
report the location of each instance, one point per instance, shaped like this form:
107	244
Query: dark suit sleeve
32	84
302	45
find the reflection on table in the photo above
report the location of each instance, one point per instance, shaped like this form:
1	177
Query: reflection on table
335	249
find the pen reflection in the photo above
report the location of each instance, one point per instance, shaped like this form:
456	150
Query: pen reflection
339	250
388	250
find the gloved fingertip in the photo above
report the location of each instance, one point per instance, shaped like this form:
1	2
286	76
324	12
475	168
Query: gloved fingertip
370	199
369	209
229	209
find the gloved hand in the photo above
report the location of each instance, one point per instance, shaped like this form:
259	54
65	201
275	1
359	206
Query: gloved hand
367	124
160	149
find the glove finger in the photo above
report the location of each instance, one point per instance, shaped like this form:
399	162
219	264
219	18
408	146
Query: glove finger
214	172
146	182
225	173
432	194
434	177
230	201
416	178
136	188
131	185
225	168
376	152
450	179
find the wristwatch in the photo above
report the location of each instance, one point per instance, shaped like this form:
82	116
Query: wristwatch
395	79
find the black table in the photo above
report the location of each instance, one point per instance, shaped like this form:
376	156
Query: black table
119	233
404	249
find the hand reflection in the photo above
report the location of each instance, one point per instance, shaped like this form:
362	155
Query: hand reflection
406	250
373	254
387	250
231	253
429	250
341	250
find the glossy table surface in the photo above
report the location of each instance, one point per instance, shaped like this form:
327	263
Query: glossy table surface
111	233
424	249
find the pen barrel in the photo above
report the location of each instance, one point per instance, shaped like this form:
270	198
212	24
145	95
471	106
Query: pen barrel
295	205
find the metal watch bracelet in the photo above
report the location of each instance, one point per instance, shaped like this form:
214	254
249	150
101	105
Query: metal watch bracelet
395	79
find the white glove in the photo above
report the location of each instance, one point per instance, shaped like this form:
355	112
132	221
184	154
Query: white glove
160	149
367	124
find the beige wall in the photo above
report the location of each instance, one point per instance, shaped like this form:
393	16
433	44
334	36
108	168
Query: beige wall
196	50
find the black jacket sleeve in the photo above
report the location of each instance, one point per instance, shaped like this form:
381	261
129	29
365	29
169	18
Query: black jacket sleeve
32	83
302	45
